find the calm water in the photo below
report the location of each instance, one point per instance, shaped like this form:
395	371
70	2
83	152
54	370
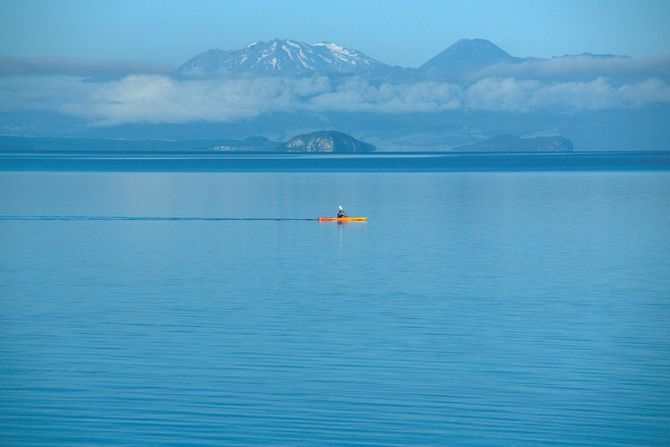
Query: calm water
472	309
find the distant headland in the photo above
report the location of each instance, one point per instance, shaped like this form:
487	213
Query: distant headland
330	141
512	143
323	141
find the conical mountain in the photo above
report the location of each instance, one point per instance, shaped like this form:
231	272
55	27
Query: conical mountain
468	55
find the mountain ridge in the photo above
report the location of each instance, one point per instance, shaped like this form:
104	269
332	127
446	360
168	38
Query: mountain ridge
281	57
465	61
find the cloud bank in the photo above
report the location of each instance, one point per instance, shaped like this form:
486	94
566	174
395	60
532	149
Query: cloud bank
152	98
512	95
581	67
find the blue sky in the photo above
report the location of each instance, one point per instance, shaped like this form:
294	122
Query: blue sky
401	33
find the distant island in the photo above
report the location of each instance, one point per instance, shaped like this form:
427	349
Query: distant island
512	143
329	141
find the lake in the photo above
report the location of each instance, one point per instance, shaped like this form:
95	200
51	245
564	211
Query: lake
473	308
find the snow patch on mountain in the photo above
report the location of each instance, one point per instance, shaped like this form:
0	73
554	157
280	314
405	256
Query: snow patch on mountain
282	57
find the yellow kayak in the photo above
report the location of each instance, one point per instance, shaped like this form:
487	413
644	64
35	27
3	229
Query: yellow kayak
343	219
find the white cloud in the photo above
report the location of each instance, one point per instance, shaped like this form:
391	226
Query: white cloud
580	67
357	94
165	99
161	99
512	95
496	94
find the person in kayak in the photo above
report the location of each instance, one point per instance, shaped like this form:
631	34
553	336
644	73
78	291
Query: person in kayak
340	213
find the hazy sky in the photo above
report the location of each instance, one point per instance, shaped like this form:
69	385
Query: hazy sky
396	32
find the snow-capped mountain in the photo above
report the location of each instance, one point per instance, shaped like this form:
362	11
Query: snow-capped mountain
465	62
282	57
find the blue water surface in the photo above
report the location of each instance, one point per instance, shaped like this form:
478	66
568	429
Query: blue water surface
471	309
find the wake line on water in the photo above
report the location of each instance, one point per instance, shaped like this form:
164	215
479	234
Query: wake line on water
152	218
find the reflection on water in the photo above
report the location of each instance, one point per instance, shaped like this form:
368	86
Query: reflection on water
483	309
